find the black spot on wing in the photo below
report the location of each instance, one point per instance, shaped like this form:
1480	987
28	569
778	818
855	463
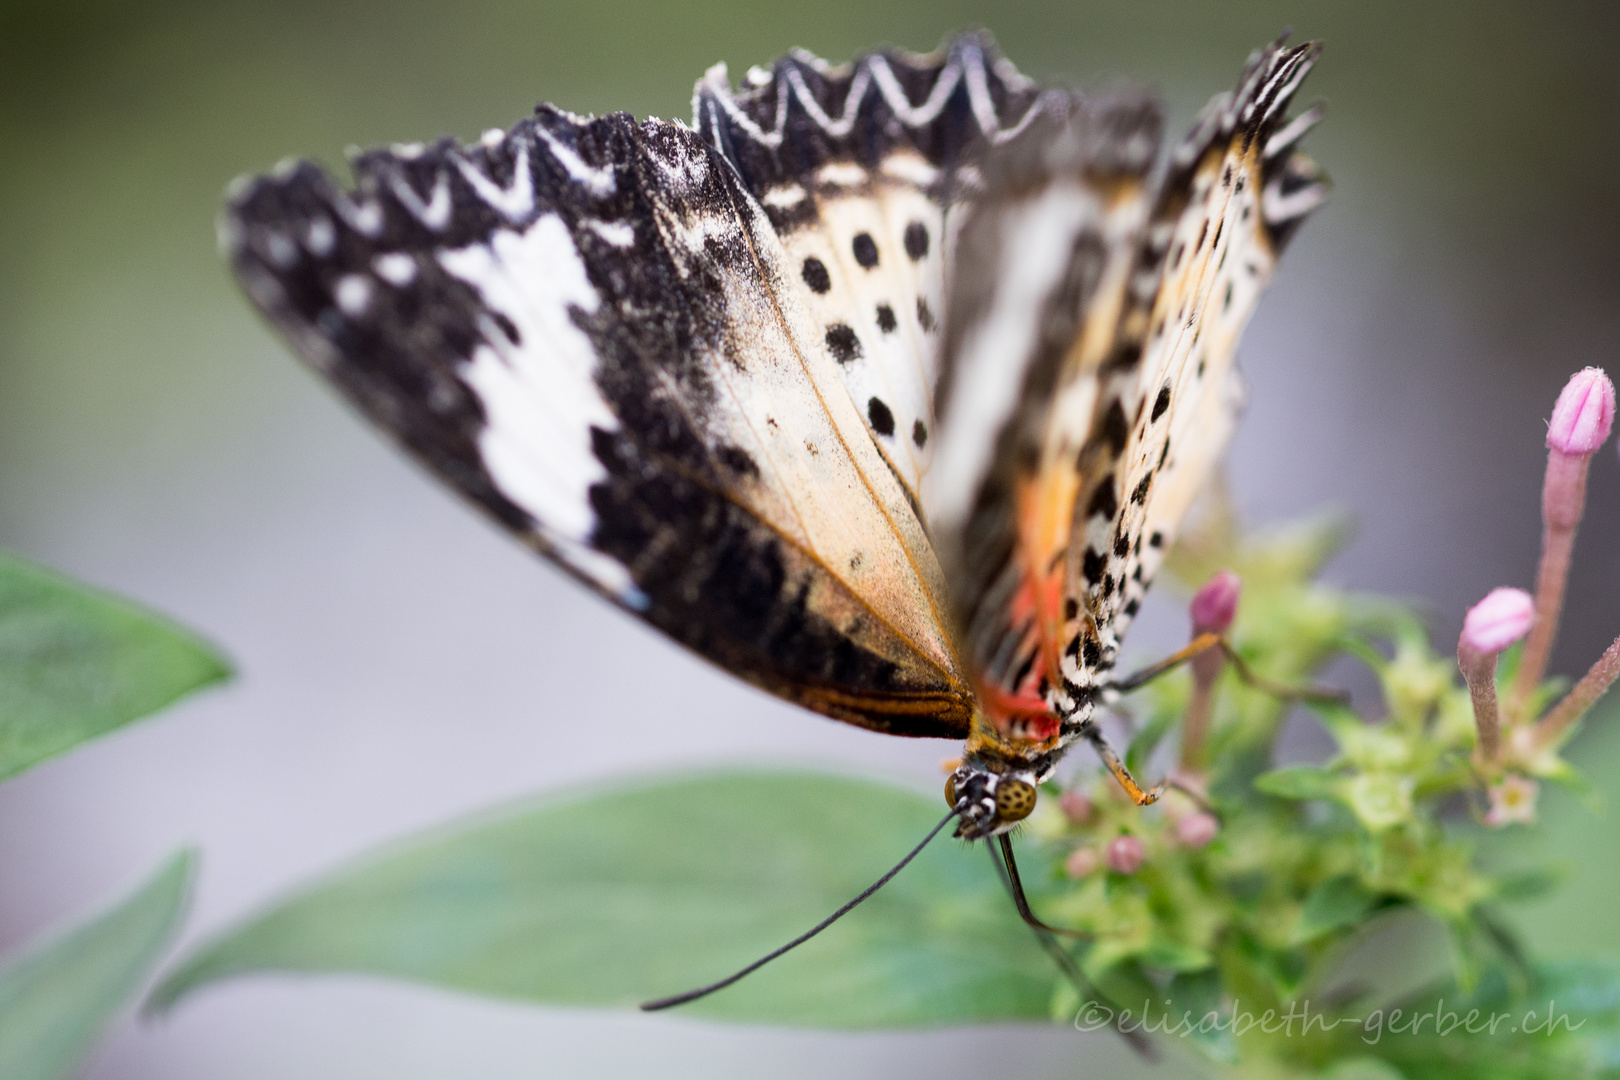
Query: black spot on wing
919	434
881	418
885	319
815	275
845	346
865	250
1115	427
1104	501
916	240
925	315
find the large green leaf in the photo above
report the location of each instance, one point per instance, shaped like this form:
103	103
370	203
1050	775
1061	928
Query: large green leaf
55	1000
616	897
75	663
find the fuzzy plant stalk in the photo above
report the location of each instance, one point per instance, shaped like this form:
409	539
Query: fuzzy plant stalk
1580	424
1499	620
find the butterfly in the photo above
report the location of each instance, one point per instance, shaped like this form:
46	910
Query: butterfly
884	387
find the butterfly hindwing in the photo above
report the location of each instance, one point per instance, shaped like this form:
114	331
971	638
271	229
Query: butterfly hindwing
589	328
1235	192
1041	267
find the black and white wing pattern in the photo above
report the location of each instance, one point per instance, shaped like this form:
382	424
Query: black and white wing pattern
1236	190
1087	387
772	381
863	171
590	328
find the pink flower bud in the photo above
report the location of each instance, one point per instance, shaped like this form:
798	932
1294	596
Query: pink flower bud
1215	605
1076	806
1497	621
1584	414
1196	830
1082	862
1125	854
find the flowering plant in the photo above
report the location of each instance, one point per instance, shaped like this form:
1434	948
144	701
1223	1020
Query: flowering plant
1254	880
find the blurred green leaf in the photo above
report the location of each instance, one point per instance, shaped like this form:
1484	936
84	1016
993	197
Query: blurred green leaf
55	1001
76	663
1198	998
1299	782
1339	902
1562	1025
623	895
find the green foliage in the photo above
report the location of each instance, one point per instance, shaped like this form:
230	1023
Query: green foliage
76	663
56	999
614	898
1310	859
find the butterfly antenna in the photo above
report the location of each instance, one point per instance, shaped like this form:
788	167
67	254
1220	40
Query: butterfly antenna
1059	954
1015	885
1048	942
705	991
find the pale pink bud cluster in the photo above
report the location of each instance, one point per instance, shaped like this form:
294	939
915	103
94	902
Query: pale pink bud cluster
1584	414
1197	830
1125	854
1215	605
1497	621
1076	806
1082	862
1581	423
1213	608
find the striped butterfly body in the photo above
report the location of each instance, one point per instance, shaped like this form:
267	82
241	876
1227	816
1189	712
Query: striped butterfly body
884	387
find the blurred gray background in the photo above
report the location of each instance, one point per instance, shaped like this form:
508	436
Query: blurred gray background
401	662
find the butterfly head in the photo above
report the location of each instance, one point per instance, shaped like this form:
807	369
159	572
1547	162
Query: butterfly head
989	802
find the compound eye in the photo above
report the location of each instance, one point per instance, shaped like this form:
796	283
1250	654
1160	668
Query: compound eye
1014	800
950	790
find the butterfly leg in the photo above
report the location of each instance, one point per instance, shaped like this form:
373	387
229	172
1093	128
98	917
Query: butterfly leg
1094	736
1325	694
1203	643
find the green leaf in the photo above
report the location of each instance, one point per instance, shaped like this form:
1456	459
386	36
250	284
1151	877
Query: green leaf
1339	902
1203	1018
56	999
620	896
76	663
1299	782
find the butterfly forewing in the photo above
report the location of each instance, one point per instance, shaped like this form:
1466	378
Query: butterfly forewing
859	168
590	328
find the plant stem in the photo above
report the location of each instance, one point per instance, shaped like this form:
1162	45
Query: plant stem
1479	672
1556	724
1563	498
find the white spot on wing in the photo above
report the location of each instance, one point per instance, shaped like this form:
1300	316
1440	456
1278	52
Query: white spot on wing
910	169
841	174
395	267
540	397
353	294
435	213
320	237
599	182
515	201
618	233
783	197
